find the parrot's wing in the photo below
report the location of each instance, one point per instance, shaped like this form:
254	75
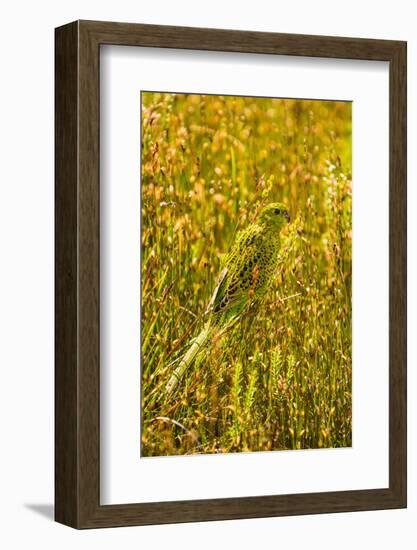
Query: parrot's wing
243	265
236	279
218	292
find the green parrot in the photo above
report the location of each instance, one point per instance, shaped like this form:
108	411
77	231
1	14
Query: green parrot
246	276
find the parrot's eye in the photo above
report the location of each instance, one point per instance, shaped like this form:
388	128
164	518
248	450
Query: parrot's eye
277	211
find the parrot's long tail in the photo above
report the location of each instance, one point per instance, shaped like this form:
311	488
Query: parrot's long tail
189	357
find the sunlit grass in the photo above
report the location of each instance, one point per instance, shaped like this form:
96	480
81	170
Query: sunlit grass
280	380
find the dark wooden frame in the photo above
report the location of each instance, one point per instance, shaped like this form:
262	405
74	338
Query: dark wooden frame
77	274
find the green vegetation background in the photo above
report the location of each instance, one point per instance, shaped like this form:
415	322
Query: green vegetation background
282	380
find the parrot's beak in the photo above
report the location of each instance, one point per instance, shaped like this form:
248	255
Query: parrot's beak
287	216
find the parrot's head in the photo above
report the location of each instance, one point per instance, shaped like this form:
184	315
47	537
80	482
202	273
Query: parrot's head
274	216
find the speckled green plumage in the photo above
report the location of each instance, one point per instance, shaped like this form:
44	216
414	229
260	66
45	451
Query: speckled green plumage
247	273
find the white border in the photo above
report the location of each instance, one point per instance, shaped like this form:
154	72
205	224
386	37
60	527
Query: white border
126	478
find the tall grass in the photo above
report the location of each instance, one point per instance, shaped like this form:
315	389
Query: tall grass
280	379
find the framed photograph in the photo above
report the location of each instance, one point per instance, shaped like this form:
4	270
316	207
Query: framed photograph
230	274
